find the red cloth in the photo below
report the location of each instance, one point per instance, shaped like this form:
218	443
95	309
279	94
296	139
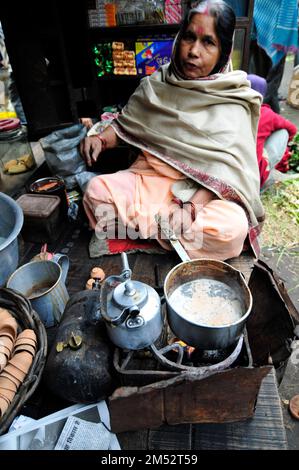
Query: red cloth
118	246
268	123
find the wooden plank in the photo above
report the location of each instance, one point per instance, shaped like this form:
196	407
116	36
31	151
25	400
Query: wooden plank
132	410
243	263
210	400
134	440
187	399
265	431
144	269
171	437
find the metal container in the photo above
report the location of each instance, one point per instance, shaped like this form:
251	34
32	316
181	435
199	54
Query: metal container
14	143
43	283
42	220
131	310
200	335
52	185
81	373
11	221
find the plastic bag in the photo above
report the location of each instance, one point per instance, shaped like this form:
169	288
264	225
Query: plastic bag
62	154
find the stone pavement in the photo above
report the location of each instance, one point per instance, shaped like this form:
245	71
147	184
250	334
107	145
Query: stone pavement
286	261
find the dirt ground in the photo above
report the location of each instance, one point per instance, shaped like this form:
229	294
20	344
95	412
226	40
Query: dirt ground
285	261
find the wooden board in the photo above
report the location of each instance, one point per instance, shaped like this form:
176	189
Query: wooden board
188	399
265	430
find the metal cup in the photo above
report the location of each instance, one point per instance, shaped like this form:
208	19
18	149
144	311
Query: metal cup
43	283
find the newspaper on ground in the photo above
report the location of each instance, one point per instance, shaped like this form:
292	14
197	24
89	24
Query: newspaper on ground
79	434
50	431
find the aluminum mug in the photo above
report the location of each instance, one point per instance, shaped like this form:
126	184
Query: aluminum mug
43	283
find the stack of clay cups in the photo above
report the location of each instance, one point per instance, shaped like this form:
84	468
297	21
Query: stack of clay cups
8	334
15	366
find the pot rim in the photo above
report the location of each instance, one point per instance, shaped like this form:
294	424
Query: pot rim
218	327
17	210
54	179
17	271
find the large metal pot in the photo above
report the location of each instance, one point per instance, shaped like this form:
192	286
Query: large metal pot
11	222
201	335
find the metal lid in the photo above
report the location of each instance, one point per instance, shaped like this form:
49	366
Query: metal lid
130	293
9	124
38	205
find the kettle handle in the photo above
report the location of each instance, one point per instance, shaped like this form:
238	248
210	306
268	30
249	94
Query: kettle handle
106	294
132	311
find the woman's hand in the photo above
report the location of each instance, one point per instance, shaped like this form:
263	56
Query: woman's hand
90	149
182	217
202	197
92	146
87	122
181	220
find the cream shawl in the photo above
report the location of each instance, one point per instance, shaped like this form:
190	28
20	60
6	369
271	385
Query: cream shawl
205	128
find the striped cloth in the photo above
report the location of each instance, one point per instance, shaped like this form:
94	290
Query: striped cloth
276	27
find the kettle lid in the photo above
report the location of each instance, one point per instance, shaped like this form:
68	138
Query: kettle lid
130	293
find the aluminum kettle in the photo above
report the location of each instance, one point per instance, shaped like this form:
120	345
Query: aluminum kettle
131	310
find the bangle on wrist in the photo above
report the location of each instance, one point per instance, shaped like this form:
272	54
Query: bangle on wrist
178	201
182	204
103	141
192	207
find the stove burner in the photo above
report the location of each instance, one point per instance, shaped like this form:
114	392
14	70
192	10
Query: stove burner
206	359
160	362
142	367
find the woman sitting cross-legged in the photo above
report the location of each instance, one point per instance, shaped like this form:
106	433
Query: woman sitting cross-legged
194	123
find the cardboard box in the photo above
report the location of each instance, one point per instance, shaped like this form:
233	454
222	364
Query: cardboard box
150	55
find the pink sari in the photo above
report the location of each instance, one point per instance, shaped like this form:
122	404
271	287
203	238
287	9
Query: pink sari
136	195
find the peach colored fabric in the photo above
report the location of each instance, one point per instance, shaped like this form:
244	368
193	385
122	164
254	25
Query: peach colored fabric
137	194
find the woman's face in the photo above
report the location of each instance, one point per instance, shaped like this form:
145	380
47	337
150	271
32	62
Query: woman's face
199	48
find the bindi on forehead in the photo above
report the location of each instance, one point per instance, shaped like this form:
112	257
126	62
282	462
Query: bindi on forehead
199	30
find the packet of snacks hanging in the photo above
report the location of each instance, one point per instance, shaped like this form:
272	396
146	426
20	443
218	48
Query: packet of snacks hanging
129	12
173	11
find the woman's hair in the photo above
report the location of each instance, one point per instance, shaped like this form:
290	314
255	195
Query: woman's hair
225	22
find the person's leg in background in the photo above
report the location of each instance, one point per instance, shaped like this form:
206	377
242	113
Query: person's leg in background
259	62
274	78
275	147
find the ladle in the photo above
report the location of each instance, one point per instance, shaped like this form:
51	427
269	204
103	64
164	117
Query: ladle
169	234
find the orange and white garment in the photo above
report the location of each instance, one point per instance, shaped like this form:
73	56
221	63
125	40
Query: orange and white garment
136	195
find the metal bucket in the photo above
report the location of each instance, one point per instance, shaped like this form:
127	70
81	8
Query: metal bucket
11	222
201	335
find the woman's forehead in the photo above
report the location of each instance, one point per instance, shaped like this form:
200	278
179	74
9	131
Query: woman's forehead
202	24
